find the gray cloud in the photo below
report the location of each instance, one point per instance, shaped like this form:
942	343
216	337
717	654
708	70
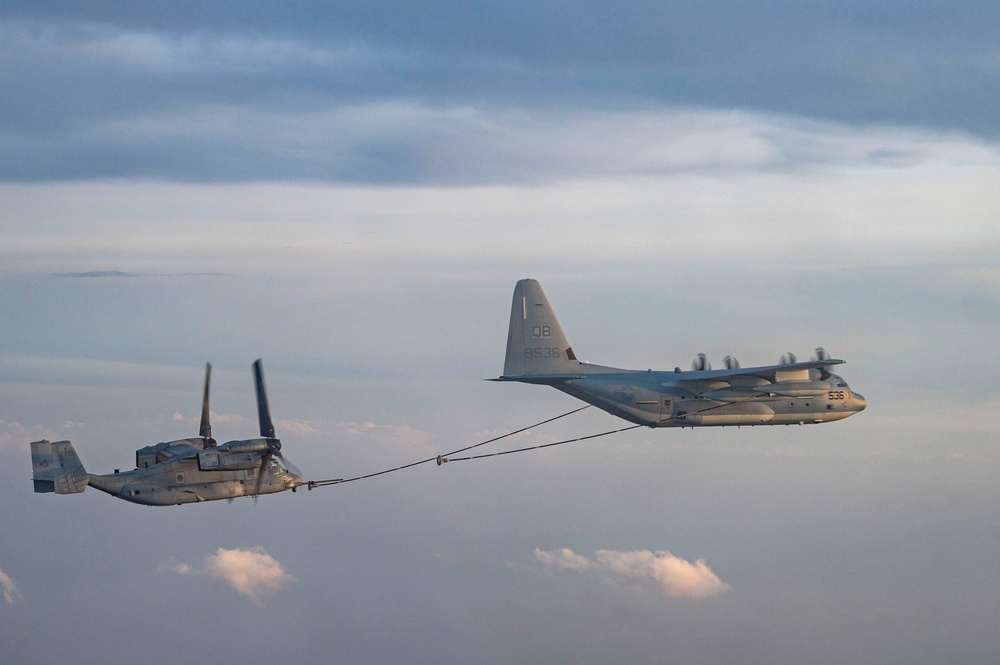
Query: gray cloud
187	94
95	273
401	143
17	435
90	274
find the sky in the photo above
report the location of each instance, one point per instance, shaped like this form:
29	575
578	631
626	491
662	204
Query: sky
351	190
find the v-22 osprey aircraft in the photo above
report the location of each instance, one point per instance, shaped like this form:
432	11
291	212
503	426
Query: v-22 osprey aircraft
176	472
788	393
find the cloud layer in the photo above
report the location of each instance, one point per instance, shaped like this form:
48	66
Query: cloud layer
252	572
677	577
360	95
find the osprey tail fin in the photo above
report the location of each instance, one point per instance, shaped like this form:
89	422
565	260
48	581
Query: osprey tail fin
55	467
536	344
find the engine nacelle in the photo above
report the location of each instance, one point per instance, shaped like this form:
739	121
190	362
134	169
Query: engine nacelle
161	452
223	460
245	446
234	455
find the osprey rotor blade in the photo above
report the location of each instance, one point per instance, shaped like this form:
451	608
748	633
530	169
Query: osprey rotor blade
206	426
263	411
264	459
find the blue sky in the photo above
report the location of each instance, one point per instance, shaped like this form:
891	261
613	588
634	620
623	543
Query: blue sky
351	192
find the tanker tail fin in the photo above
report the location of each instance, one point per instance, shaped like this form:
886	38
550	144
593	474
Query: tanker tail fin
536	345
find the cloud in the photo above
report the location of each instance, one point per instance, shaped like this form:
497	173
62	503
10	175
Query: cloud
859	66
221	107
295	427
226	418
677	577
406	143
10	592
252	572
395	435
95	273
14	435
563	559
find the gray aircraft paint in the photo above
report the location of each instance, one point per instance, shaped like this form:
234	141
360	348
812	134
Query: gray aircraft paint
788	393
177	472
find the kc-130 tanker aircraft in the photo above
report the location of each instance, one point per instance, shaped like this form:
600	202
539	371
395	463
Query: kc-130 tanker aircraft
784	394
182	471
